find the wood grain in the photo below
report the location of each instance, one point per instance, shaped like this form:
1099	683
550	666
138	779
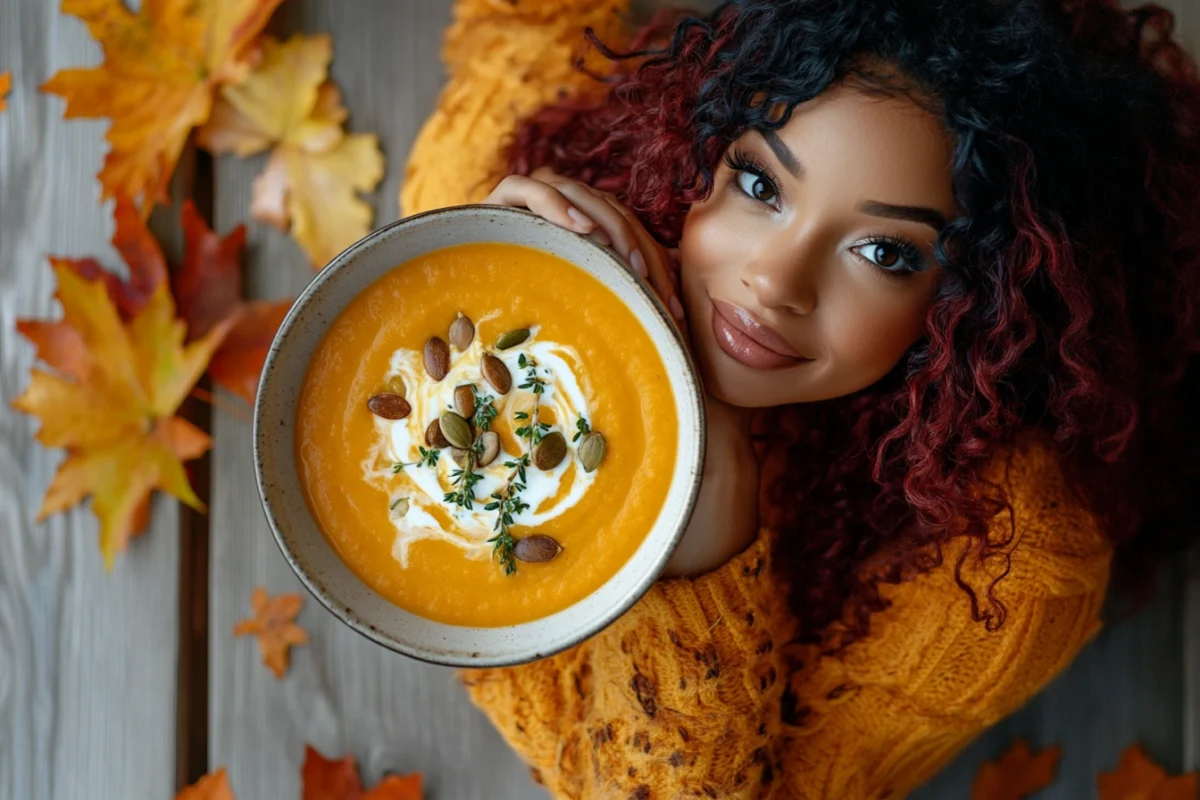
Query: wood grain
87	659
343	694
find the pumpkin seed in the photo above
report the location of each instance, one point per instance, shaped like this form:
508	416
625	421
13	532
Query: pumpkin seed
437	358
591	450
462	332
400	507
512	338
537	548
496	373
459	456
464	400
550	451
491	448
456	430
395	385
389	406
434	436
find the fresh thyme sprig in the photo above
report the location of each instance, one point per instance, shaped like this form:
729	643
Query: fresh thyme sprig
582	428
485	410
429	458
465	480
534	429
506	501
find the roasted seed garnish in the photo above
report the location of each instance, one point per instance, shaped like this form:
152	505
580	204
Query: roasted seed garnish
456	430
464	400
389	406
434	436
489	448
550	451
395	385
459	456
496	373
591	450
400	507
536	548
462	332
512	338
437	358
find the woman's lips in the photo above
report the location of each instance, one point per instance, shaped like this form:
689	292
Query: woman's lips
748	341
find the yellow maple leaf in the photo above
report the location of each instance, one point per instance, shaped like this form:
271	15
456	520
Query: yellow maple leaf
5	85
161	68
312	180
111	403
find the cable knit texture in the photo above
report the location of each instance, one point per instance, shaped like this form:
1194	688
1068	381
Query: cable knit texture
696	691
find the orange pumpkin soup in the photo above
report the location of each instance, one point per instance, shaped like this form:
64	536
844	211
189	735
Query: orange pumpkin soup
567	463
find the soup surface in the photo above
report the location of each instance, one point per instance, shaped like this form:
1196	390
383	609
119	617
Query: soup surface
401	512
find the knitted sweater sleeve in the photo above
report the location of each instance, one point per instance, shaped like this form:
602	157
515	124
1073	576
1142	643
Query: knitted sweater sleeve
694	693
505	59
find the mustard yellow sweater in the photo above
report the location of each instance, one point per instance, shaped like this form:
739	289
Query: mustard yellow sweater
696	692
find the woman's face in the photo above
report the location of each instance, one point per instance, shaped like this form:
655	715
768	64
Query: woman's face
808	272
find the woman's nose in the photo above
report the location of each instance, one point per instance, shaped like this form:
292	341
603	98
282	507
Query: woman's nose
783	279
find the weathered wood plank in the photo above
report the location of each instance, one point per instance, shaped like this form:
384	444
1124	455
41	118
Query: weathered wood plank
343	694
87	660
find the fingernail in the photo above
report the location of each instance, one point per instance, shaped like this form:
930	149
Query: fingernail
676	307
638	263
601	237
579	218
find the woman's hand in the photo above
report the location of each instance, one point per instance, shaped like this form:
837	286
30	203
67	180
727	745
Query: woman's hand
580	208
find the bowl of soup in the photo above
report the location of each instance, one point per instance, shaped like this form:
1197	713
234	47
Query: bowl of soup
478	437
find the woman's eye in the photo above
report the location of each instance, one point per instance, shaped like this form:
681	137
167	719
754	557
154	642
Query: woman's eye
891	257
757	186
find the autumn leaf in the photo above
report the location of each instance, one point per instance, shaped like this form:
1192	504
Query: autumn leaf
313	177
273	624
161	68
208	288
111	403
1138	778
210	787
326	779
5	86
1018	774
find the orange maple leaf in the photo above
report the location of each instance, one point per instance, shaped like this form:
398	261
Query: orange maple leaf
274	626
1138	778
312	180
326	779
1017	774
208	289
111	403
161	68
211	787
5	86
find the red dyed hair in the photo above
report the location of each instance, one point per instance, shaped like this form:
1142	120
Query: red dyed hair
1068	303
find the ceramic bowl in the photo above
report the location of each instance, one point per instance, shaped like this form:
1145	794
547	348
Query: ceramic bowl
279	486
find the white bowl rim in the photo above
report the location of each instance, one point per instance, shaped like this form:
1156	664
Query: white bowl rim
695	396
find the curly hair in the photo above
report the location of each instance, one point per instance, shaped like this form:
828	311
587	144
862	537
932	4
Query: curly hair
1070	282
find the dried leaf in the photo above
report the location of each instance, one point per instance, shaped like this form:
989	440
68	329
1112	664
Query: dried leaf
1019	773
325	779
210	787
208	287
274	626
312	180
161	68
5	86
111	404
1138	778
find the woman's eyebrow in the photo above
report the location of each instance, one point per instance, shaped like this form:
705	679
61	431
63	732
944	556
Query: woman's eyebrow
783	153
927	216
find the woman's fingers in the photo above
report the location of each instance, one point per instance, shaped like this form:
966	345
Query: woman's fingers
653	258
542	199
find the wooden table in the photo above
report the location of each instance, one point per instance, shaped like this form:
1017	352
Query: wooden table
129	685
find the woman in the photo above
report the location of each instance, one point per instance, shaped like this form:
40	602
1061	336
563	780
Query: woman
939	266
